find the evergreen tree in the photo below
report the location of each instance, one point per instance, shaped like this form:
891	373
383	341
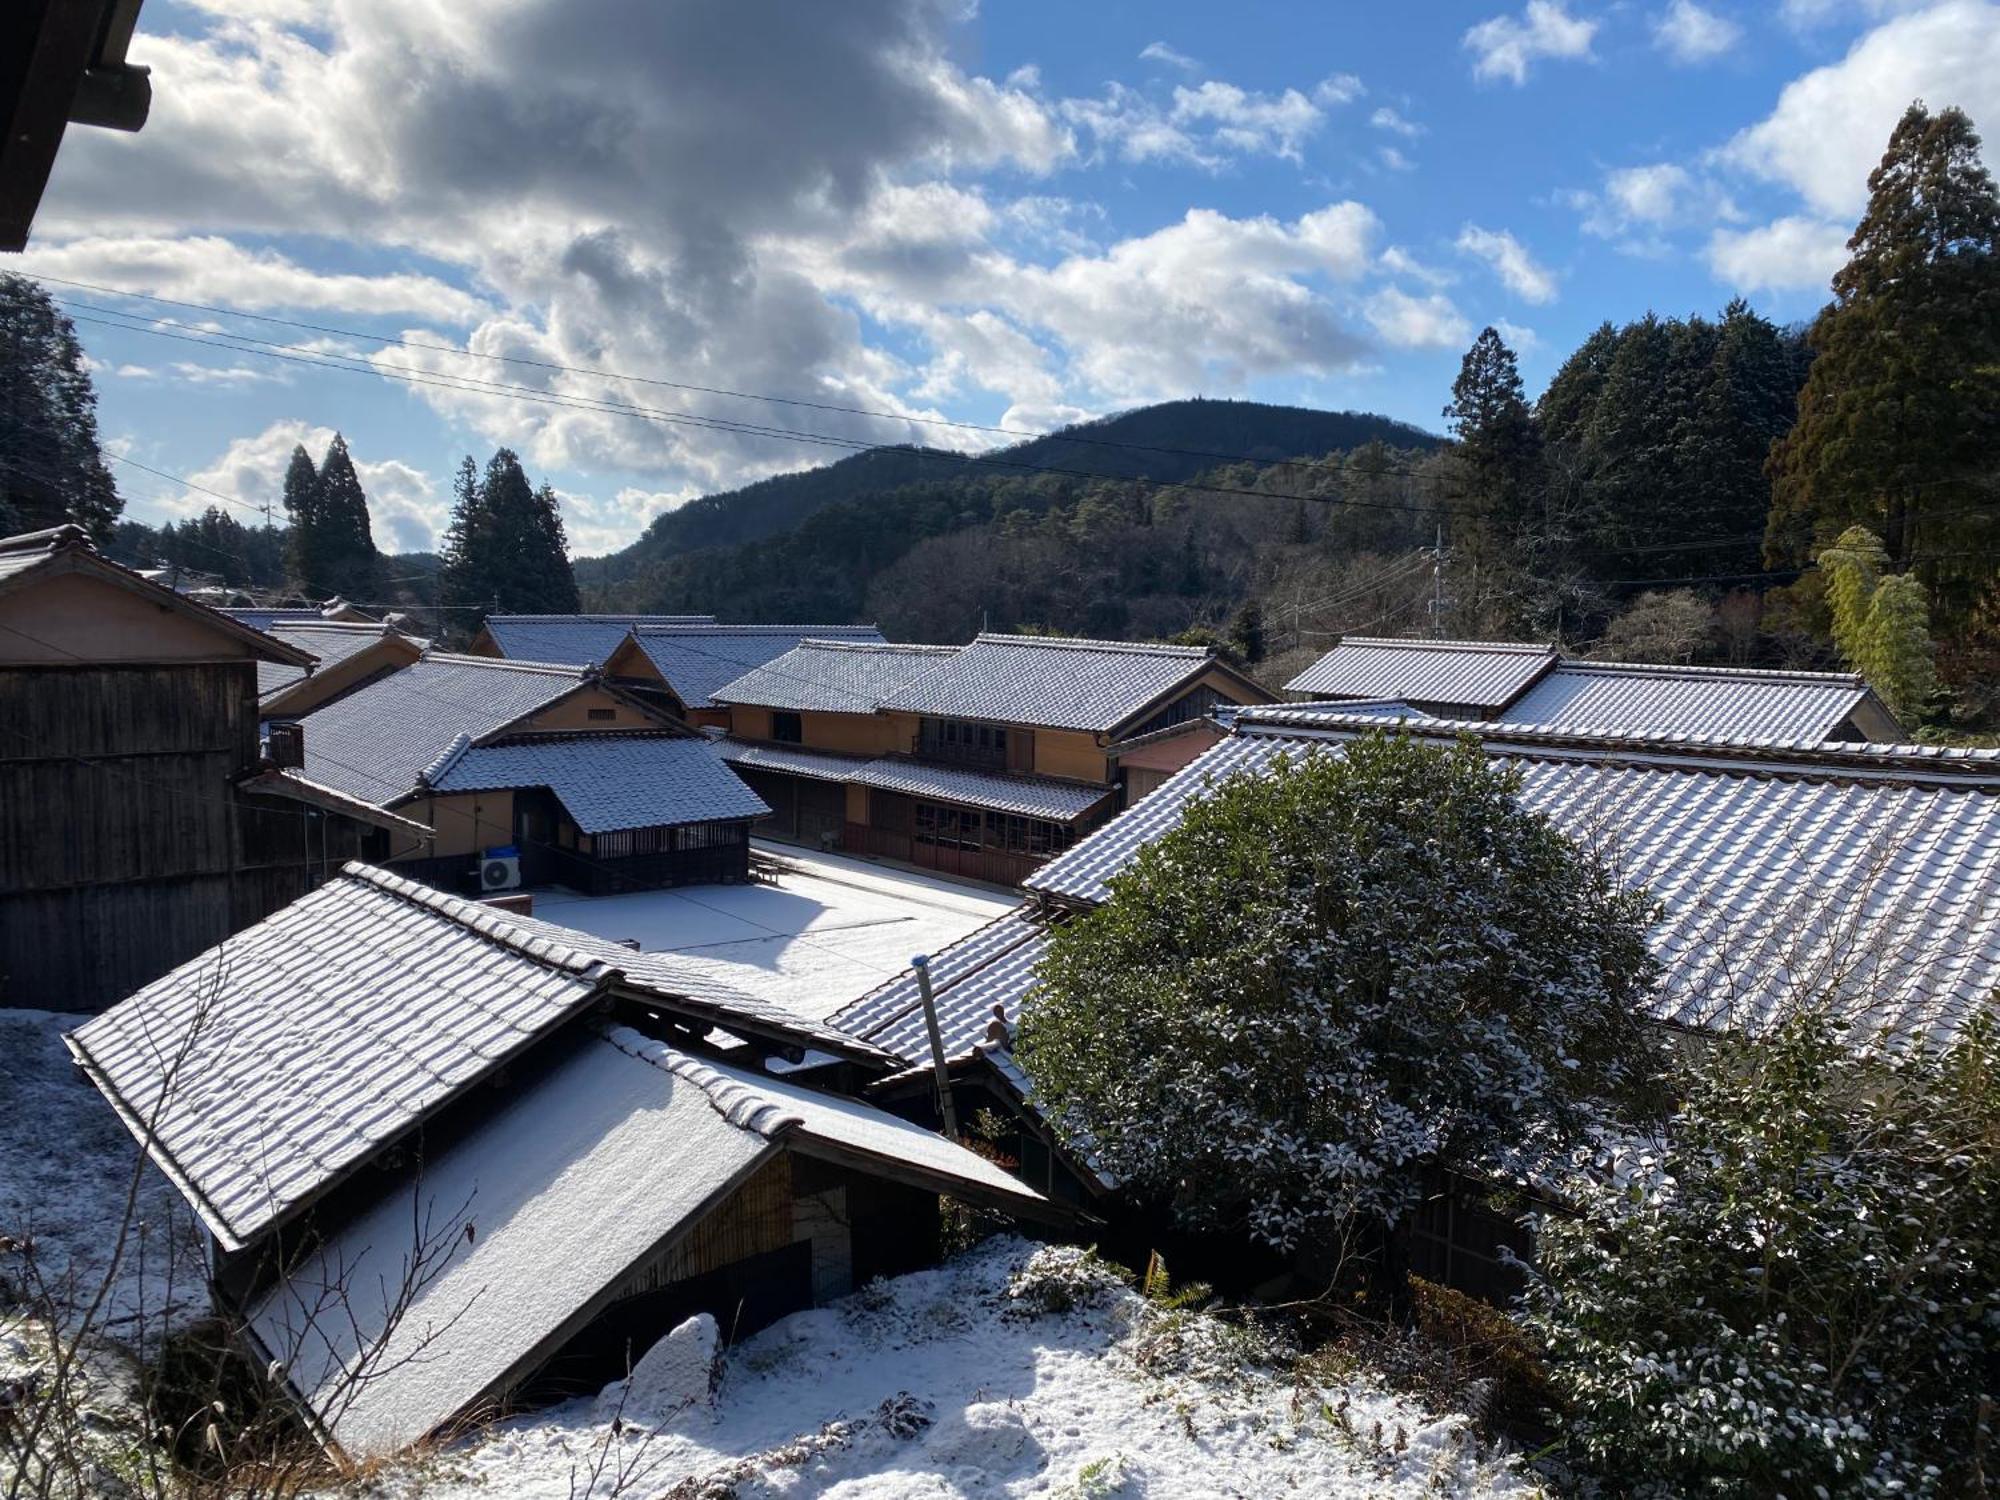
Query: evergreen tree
350	566
1881	621
506	546
1853	567
1565	408
1246	632
1628	444
305	543
1898	425
1746	399
51	469
1498	517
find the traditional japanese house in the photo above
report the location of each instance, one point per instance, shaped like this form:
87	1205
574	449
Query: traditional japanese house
346	656
575	640
140	822
535	773
1528	683
469	1157
980	761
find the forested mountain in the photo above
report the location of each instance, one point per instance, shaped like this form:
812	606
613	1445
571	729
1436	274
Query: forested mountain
1174	440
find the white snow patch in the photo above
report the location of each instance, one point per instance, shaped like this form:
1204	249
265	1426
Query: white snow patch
830	929
941	1384
677	1374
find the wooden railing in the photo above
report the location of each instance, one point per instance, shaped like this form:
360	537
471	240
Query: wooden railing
997	866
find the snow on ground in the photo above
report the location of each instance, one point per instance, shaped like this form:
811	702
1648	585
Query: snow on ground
830	929
941	1383
66	1169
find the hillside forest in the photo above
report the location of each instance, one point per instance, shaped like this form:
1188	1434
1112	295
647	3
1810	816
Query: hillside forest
1697	488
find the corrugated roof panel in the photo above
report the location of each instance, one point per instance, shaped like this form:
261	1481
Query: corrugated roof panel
374	743
1479	674
1051	682
700	660
1777	888
1615	698
614	781
833	676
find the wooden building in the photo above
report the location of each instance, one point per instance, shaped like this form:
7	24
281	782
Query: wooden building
140	822
646	1159
980	761
346	656
535	774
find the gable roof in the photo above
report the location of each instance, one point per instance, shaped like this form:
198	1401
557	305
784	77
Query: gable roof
575	640
376	742
1052	682
1626	698
329	641
699	660
823	676
36	555
334	611
609	781
617	1150
1017	792
1478	674
1786	870
262	1072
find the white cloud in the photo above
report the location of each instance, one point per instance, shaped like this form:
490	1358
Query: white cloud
1520	339
1688	33
1386	118
1830	126
211	269
1789	254
1511	262
1505	46
1649	194
1395	161
1160	52
404	510
1338	88
1256	124
1399	262
1409	322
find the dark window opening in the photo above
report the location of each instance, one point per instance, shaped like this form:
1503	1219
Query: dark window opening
603	713
786	729
965	743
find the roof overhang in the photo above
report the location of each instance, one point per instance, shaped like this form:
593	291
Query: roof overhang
293	786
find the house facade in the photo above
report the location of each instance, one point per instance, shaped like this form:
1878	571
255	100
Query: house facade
140	820
979	761
552	771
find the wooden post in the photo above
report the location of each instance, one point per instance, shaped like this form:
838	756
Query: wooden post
922	964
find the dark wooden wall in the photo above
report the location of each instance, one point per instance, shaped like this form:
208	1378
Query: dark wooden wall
124	847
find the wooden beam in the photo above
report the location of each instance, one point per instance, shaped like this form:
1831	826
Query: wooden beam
45	46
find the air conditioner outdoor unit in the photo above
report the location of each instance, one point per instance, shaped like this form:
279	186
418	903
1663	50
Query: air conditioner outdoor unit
500	872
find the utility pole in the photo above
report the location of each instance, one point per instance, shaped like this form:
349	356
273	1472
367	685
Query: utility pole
1439	556
922	964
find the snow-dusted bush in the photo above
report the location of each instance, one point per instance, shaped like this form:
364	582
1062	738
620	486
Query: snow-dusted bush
1326	977
1799	1292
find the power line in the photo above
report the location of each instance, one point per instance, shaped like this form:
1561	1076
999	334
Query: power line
876	413
243	344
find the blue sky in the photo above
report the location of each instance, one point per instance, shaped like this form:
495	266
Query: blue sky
915	210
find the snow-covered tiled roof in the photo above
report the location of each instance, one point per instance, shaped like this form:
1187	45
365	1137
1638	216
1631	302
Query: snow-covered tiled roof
263	1071
699	660
1002	791
1051	682
567	1187
328	640
833	676
1614	697
294	786
373	743
611	781
1030	796
1786	871
574	640
1478	674
817	765
993	965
